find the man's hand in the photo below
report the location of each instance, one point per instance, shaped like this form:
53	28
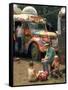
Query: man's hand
44	59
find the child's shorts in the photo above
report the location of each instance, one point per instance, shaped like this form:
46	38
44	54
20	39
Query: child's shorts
43	75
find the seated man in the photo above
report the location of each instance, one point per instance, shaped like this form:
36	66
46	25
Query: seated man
49	57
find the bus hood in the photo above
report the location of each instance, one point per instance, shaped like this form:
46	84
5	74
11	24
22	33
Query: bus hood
44	33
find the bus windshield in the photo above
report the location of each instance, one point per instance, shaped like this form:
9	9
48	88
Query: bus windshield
38	26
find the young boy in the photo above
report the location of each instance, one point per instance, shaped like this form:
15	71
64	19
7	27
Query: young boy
55	72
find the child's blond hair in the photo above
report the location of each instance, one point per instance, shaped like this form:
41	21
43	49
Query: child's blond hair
31	64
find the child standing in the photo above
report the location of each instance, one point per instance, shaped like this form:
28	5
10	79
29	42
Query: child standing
55	72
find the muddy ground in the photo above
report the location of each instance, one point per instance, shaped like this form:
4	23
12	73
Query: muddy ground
20	73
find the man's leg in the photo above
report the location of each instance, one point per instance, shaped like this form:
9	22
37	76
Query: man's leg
19	43
45	66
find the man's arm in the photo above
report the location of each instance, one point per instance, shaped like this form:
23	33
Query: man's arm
51	55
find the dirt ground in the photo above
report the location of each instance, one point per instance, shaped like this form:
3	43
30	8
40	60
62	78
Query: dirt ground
20	73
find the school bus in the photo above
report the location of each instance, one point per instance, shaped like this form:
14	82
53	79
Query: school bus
35	33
